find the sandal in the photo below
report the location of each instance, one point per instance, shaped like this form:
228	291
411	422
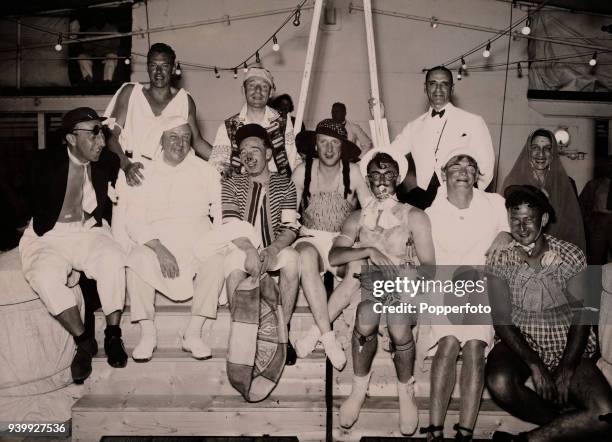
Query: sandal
431	429
461	437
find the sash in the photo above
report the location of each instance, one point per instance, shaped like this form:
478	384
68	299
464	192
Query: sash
276	132
258	340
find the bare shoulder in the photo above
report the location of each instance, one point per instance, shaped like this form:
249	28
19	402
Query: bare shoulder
123	99
298	174
417	217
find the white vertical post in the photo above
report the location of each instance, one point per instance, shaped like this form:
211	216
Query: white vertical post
312	43
378	127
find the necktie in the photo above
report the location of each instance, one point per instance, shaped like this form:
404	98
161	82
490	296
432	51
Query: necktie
438	113
89	194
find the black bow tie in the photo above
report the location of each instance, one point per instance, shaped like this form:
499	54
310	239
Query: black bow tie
435	112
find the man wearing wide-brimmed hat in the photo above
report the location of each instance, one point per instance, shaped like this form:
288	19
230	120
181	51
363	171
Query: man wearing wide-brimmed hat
258	86
329	186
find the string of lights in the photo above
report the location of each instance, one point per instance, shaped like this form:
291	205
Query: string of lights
294	14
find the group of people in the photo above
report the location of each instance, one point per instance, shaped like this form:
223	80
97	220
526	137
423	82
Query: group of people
191	220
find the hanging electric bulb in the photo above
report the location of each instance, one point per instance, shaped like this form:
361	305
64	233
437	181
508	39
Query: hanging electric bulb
593	60
463	63
235	73
58	46
257	59
459	76
433	22
519	70
275	45
296	20
245	68
526	30
127	61
178	71
217	74
487	52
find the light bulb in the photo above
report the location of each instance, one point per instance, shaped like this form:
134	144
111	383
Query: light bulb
433	22
275	45
178	71
487	52
217	74
235	72
58	46
526	30
459	76
463	63
127	61
593	60
245	68
257	59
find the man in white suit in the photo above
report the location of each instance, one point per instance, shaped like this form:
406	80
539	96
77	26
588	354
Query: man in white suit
441	129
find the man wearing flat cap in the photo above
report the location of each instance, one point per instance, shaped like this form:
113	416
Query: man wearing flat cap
259	225
69	231
258	86
537	291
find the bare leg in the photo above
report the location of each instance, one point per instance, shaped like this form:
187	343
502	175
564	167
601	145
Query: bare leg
289	281
471	382
592	394
314	290
341	296
505	376
443	377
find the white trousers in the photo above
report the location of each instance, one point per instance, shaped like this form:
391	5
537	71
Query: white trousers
207	285
49	259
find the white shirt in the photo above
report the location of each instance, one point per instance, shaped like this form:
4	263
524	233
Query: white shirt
173	204
462	236
430	139
222	144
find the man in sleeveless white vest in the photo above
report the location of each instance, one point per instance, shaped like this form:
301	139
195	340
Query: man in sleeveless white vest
134	113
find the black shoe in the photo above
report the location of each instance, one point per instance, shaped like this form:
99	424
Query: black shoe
81	363
291	355
502	436
114	348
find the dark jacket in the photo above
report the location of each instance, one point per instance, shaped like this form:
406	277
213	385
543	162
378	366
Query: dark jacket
48	180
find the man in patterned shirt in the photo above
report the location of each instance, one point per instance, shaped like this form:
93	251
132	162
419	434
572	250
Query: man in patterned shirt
530	289
259	211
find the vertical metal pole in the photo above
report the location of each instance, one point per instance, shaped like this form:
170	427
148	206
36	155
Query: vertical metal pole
312	43
18	55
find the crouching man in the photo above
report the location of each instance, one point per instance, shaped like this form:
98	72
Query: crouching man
168	213
532	288
69	232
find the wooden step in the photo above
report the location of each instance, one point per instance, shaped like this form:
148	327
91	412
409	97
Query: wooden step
94	416
176	372
384	378
171	320
379	417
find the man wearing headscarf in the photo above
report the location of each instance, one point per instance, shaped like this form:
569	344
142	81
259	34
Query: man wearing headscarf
539	165
258	85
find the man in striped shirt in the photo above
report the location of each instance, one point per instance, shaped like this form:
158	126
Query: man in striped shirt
268	202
